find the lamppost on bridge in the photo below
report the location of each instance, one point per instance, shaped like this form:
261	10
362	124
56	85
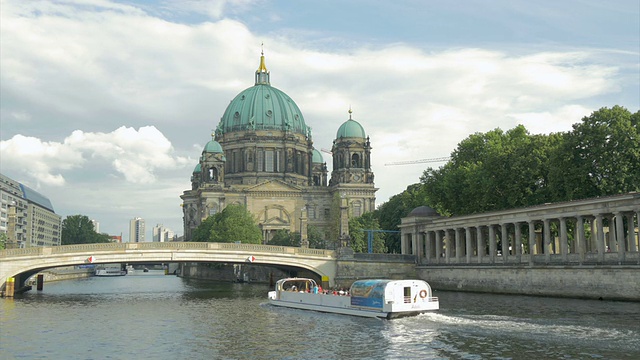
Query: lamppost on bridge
304	241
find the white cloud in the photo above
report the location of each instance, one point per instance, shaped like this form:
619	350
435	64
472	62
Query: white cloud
72	71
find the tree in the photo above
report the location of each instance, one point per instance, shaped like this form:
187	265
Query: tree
203	232
78	229
285	238
491	171
316	238
599	157
390	213
359	237
232	224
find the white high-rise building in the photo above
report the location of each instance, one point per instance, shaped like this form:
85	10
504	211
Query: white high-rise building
136	230
96	226
162	234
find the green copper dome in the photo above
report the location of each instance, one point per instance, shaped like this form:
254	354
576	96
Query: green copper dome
317	157
198	169
350	128
262	107
213	147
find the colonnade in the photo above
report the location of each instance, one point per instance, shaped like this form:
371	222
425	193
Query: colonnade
587	231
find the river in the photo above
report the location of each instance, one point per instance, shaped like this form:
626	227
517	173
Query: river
153	316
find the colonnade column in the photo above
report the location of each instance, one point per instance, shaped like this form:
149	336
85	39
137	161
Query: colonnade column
427	246
481	247
532	240
438	246
467	235
564	243
504	242
458	245
599	235
492	244
448	241
546	240
580	238
631	233
518	241
620	236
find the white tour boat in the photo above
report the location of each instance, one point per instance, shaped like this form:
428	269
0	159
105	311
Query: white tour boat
385	299
110	271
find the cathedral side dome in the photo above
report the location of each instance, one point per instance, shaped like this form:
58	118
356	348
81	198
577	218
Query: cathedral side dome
213	147
263	107
350	129
197	169
317	157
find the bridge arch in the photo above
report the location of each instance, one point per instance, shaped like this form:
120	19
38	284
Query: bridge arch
22	263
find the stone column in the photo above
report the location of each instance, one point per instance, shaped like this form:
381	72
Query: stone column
492	244
438	246
427	246
458	245
611	235
481	247
564	242
415	244
546	240
631	234
580	238
598	223
620	236
504	242
467	239
403	243
532	240
517	251
448	241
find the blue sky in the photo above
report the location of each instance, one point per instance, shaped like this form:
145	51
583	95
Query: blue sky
106	105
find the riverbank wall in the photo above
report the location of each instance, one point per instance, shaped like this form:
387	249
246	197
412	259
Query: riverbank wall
237	272
609	282
60	274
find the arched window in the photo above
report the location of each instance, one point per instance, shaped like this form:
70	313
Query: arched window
355	161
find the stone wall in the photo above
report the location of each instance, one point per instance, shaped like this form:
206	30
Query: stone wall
236	273
589	282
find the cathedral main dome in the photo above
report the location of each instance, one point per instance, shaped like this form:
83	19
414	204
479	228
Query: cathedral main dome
262	107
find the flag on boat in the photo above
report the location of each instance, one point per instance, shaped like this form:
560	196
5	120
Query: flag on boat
91	259
251	258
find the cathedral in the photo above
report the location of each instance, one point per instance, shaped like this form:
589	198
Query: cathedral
262	156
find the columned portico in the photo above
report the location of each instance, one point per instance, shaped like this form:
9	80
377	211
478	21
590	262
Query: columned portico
599	230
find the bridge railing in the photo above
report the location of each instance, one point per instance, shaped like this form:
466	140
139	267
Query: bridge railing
256	248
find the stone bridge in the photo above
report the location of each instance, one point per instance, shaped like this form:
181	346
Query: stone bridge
20	264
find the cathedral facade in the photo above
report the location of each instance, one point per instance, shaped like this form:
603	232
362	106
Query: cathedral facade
262	156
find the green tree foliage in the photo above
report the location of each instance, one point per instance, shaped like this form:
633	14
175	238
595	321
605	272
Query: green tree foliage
316	238
600	157
491	171
359	238
390	213
203	232
285	238
501	170
78	229
232	224
334	221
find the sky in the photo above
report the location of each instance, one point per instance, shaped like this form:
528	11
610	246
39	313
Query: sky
106	105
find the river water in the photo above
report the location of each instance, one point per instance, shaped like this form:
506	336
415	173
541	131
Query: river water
153	316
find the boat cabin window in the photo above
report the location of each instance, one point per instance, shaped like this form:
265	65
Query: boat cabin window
407	294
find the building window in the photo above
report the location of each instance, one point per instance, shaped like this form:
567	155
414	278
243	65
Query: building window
269	161
356	208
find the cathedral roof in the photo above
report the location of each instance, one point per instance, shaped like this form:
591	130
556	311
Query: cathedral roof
263	107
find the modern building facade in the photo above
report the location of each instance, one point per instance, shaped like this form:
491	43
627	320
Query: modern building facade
136	230
162	234
262	156
27	217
